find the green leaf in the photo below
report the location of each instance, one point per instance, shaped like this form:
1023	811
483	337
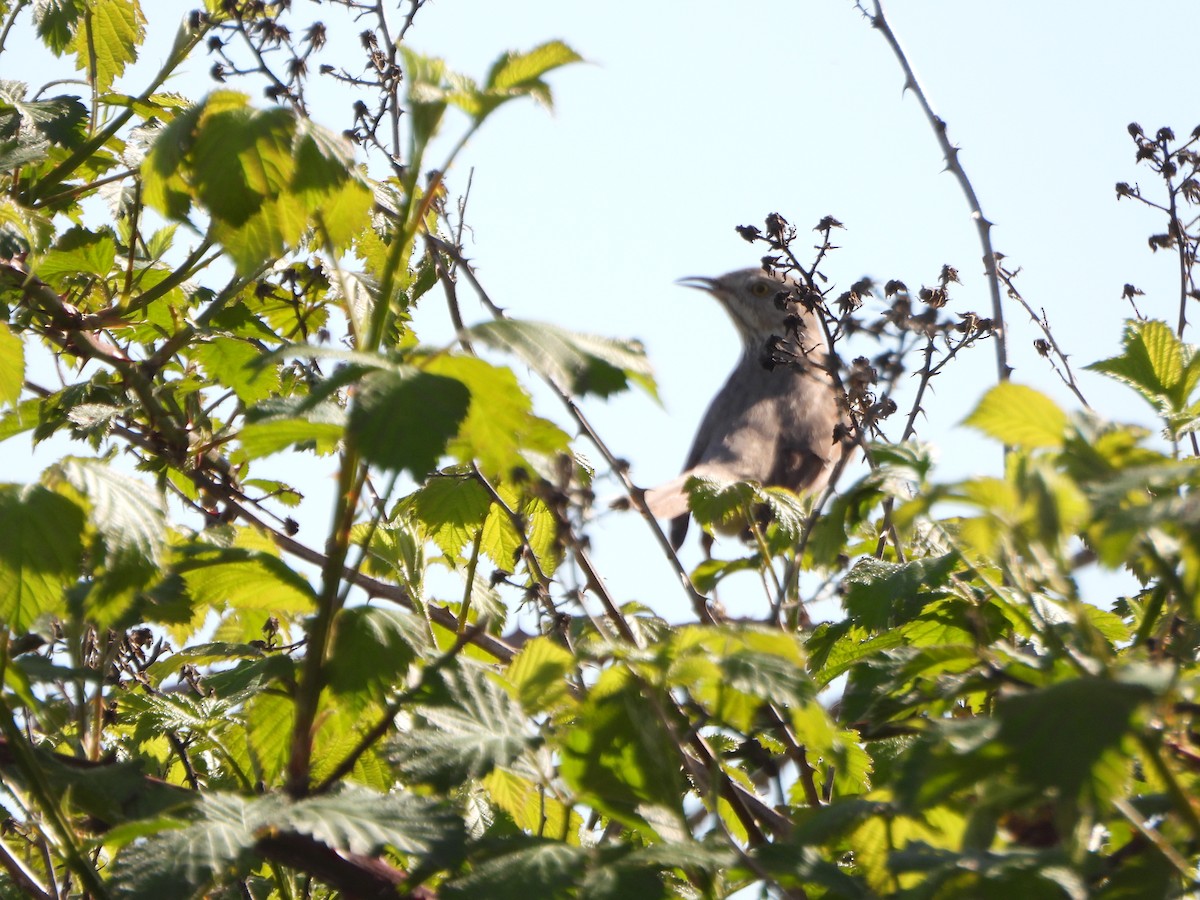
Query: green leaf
333	190
514	70
270	718
528	868
425	77
56	22
710	572
732	673
579	363
1095	712
726	507
1019	416
539	674
499	425
240	366
77	252
40	555
244	579
130	515
12	366
620	758
404	419
364	822
533	807
60	120
112	793
1156	364
241	157
183	860
275	425
112	30
452	509
203	655
264	176
370	649
881	594
476	727
23	417
519	75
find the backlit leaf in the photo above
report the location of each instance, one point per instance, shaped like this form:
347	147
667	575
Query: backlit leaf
1019	416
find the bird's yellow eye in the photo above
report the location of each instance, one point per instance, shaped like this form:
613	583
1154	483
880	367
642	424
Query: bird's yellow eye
760	288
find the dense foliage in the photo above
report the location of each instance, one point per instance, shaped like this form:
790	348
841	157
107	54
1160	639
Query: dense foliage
196	702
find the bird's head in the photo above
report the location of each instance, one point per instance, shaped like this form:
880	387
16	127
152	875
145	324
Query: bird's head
754	300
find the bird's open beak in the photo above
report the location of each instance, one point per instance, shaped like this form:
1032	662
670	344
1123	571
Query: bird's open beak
700	283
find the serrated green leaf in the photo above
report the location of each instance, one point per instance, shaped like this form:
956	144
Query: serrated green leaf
274	426
1095	712
370	649
724	506
203	655
40	555
619	757
499	424
60	120
452	510
580	363
732	673
835	648
269	720
1019	416
478	727
329	183
1156	364
242	579
78	252
709	573
23	417
56	22
109	35
263	175
528	869
130	515
880	594
403	420
182	861
425	77
12	366
517	75
534	808
364	822
240	366
517	69
539	674
241	157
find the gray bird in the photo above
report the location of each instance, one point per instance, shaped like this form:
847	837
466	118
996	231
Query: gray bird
770	424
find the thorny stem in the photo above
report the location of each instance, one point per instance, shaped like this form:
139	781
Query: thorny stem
950	152
18	7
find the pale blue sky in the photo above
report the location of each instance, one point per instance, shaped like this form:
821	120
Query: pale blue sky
694	117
